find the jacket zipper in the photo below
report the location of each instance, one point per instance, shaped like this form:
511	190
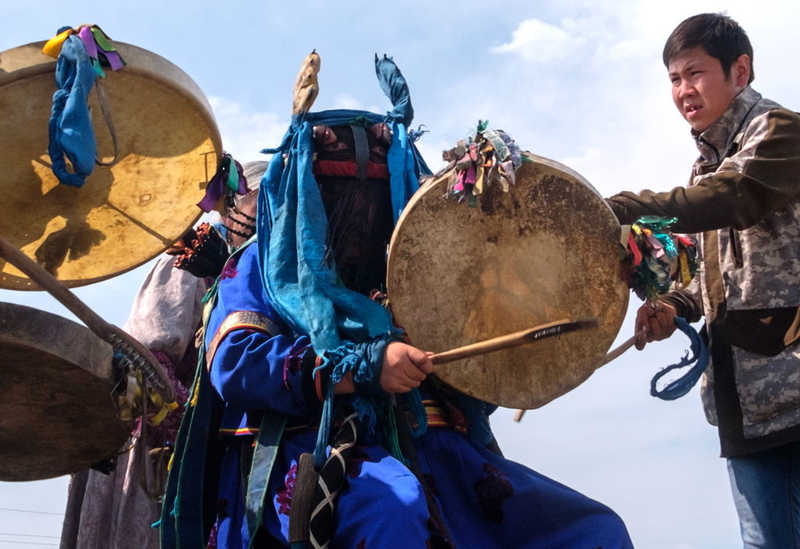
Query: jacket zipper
736	248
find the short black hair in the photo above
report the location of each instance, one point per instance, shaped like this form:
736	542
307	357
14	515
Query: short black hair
720	37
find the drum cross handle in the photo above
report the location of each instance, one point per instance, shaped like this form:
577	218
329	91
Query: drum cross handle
133	351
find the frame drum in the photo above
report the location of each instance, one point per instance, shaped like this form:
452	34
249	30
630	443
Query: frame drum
125	214
58	413
546	250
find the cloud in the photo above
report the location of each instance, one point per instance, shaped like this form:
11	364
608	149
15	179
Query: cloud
629	49
591	40
245	132
534	40
347	101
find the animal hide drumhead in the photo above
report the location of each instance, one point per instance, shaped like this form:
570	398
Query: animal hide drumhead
546	250
58	413
125	214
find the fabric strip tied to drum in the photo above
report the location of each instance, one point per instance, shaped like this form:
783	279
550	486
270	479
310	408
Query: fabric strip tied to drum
70	126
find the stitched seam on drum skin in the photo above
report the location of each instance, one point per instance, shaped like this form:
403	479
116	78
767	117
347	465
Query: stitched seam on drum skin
239	320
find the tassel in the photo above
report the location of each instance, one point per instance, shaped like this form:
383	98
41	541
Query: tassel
679	387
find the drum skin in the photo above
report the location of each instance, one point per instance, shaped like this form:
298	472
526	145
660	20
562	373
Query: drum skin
125	214
546	250
58	413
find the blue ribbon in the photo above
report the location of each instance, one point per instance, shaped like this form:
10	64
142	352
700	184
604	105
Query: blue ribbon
698	362
70	125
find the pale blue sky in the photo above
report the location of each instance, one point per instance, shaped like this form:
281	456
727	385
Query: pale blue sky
576	81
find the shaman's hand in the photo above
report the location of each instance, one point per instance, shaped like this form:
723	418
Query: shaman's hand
404	368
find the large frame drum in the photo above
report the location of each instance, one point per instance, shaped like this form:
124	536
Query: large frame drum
546	250
125	214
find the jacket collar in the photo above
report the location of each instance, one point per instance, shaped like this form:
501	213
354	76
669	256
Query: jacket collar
715	141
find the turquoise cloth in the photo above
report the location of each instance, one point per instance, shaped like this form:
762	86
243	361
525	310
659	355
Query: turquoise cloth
70	126
292	224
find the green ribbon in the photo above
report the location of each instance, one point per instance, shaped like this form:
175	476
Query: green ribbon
233	175
102	40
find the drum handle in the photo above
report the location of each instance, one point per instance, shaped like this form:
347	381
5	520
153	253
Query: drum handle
117	338
618	351
101	98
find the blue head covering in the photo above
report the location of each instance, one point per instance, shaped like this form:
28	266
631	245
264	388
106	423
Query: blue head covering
292	224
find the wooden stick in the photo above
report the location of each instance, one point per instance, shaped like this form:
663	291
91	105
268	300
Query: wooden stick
49	283
513	340
102	329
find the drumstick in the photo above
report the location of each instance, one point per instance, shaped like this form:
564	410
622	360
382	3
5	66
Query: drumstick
611	355
513	340
131	348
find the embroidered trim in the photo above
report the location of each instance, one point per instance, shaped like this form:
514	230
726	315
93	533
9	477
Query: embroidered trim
239	320
229	431
437	417
320	384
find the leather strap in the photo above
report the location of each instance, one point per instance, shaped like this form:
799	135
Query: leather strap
266	450
362	151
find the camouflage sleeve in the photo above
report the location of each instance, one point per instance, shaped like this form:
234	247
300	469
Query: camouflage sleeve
759	179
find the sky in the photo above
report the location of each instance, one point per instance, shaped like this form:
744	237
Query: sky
576	81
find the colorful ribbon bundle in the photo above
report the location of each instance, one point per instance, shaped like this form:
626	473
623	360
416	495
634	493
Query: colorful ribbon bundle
132	402
228	179
489	157
655	258
97	44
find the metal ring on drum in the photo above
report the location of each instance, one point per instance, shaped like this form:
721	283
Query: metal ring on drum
126	213
547	249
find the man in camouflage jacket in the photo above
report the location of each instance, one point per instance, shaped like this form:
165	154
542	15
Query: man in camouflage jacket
744	201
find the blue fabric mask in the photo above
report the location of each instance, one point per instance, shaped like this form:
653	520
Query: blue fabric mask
292	224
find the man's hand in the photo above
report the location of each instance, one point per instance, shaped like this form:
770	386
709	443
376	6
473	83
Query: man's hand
404	368
654	322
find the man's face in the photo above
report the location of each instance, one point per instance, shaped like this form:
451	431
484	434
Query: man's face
700	89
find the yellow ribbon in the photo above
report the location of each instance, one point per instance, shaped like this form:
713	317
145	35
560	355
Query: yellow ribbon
195	392
54	45
129	406
683	261
164	408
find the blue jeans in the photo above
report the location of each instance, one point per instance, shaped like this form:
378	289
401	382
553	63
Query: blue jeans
766	492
